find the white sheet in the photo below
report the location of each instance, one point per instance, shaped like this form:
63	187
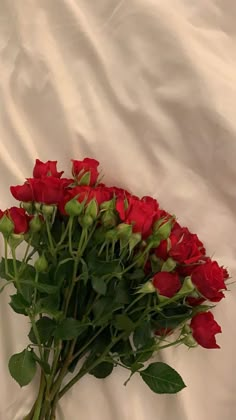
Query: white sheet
148	87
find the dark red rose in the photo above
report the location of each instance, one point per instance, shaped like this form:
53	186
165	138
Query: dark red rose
81	167
22	192
209	280
48	190
43	169
120	192
67	182
225	273
192	301
204	329
155	206
167	284
152	202
138	213
19	217
188	249
183	246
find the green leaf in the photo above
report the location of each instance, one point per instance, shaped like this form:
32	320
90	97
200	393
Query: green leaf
123	322
141	335
162	379
19	304
104	309
45	327
22	367
103	370
64	271
27	271
137	274
146	352
69	329
41	287
49	305
100	268
44	365
124	350
121	292
99	285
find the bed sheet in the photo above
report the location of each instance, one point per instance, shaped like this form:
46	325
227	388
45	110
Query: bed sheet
148	87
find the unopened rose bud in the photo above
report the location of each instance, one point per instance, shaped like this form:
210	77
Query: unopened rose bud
146	288
109	218
189	341
134	240
111	235
27	206
124	231
187	287
186	329
15	239
48	210
41	264
6	226
37	206
164	230
73	207
108	205
92	209
85	179
35	224
86	221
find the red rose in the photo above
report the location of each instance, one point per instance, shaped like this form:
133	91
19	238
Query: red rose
183	246
209	280
43	169
19	217
48	190
81	167
192	301
204	329
120	192
225	273
188	249
167	284
22	192
140	214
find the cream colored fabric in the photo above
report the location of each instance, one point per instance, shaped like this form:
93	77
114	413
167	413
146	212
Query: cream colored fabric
148	87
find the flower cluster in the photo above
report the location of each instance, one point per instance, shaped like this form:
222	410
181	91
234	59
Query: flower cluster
118	264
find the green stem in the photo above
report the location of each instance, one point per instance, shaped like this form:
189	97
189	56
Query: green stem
64	234
26	254
6	258
50	239
87	344
35	289
15	270
38	405
36	333
83	372
134	302
70	224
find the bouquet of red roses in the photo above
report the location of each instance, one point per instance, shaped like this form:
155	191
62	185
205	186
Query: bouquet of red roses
106	279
